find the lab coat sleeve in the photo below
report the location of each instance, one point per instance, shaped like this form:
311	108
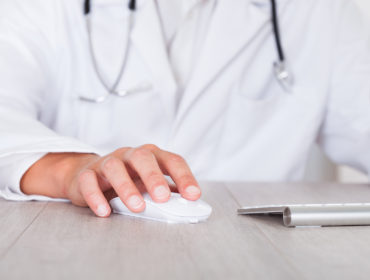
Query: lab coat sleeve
26	66
13	171
345	133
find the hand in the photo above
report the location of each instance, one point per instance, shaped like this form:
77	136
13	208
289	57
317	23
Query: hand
128	171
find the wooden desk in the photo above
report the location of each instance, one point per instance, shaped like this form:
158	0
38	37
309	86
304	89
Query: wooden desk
40	240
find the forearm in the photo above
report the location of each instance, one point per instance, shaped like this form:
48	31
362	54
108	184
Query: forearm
51	175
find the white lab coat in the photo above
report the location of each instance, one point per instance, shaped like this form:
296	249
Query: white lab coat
234	121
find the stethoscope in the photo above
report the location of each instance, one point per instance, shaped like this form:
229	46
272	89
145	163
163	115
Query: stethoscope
281	72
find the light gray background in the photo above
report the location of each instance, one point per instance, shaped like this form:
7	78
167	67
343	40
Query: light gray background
319	167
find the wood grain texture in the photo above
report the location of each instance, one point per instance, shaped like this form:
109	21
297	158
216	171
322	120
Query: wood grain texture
67	242
60	241
317	253
15	217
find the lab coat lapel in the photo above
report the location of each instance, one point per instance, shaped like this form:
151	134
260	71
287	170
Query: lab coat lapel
147	37
233	26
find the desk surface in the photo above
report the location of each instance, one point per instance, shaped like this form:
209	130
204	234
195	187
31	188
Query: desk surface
45	240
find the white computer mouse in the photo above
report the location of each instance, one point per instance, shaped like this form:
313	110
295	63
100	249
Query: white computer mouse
175	210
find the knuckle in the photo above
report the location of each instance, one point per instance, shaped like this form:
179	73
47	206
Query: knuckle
121	151
111	163
140	153
174	158
150	147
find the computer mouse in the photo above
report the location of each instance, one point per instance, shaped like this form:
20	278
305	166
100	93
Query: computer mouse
175	210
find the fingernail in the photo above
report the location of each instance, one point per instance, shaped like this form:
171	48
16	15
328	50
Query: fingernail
192	191
161	192
135	202
102	211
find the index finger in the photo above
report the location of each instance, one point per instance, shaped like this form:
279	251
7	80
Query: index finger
177	168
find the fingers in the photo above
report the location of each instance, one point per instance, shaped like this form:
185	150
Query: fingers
92	194
180	172
148	164
115	172
143	161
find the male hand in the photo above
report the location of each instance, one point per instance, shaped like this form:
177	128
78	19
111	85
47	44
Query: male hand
83	178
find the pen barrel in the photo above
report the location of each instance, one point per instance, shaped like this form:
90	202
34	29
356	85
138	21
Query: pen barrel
326	215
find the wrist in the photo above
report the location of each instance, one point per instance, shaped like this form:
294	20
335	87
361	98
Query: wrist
52	174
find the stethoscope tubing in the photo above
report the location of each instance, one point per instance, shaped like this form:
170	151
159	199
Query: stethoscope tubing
110	90
275	26
280	70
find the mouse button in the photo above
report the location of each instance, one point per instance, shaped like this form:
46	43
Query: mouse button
148	198
173	207
180	200
179	206
156	213
151	212
183	208
158	210
117	205
201	208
